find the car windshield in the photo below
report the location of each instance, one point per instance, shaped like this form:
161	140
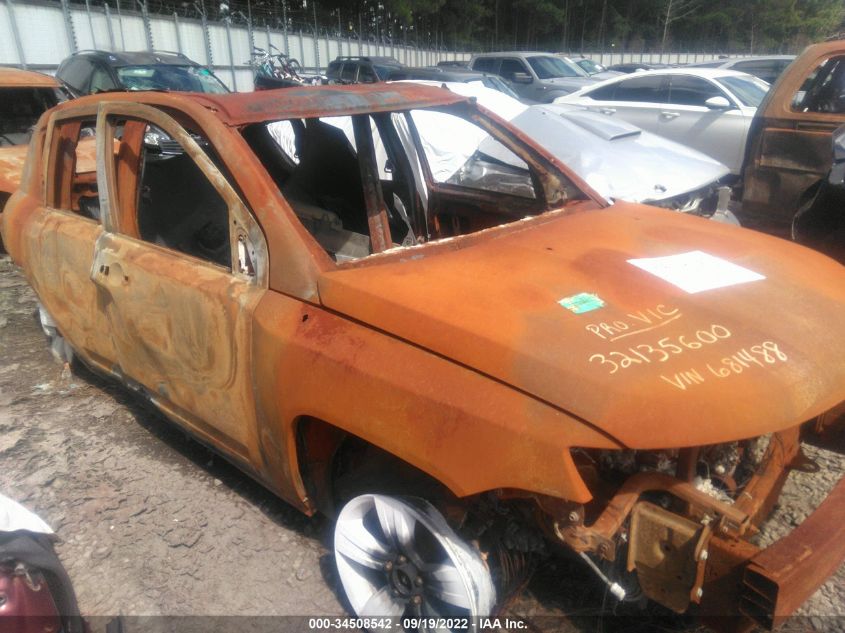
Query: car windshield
749	90
383	71
170	77
497	84
552	67
589	65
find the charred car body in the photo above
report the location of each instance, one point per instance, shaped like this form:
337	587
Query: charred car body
788	152
497	341
24	97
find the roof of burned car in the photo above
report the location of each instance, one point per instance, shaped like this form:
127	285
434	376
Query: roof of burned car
17	78
240	108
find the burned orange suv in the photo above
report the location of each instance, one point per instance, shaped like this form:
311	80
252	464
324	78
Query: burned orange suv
388	305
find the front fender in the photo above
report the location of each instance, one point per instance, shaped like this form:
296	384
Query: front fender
468	431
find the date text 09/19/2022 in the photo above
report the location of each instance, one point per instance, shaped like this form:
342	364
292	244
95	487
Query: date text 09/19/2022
415	623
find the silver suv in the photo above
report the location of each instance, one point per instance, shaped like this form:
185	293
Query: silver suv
539	77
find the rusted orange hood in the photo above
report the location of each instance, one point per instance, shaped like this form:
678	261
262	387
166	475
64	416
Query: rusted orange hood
655	366
11	167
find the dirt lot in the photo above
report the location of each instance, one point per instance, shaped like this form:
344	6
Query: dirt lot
151	523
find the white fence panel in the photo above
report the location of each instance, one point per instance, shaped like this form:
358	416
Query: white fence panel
193	41
134	38
43	34
240	47
164	35
7	36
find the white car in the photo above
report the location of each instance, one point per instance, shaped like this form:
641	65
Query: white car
616	159
707	109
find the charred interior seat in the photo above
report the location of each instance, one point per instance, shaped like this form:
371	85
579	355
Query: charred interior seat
328	175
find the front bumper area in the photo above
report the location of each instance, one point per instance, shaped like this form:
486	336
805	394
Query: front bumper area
781	577
698	555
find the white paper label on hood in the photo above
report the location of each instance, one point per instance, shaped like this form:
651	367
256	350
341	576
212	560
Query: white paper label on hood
696	271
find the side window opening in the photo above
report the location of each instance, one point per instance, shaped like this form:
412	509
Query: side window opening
19	112
824	89
510	67
101	81
485	64
348	73
179	208
367	74
172	203
692	91
643	89
74	169
315	165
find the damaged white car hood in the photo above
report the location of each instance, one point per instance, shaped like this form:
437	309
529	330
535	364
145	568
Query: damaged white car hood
619	160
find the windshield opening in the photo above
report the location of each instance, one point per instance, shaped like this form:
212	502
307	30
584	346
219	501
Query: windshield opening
553	67
170	77
749	90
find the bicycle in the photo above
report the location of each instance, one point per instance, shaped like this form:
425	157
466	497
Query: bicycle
275	70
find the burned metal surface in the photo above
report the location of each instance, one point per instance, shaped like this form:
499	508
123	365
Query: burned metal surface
17	78
502	360
326	101
12	161
788	147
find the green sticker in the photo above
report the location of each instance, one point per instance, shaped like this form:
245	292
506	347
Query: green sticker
582	302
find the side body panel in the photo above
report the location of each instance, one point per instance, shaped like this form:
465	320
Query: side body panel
59	250
181	328
719	134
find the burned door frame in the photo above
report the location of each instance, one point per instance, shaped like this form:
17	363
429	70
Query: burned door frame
788	151
182	325
64	244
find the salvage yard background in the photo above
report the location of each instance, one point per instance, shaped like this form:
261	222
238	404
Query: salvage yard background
151	523
39	35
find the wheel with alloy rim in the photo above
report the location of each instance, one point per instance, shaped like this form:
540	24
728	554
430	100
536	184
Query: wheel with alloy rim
397	557
59	347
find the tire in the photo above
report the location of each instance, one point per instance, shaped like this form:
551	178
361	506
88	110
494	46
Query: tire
397	557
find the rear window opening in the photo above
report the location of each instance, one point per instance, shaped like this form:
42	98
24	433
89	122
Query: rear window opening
20	109
368	183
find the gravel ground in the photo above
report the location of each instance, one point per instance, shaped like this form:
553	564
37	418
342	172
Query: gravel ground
151	523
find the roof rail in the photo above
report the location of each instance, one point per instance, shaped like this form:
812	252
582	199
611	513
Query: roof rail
152	52
177	53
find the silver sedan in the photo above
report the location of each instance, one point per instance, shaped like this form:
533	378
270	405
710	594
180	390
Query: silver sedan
706	109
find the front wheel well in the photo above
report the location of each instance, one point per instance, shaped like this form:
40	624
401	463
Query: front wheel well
336	466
